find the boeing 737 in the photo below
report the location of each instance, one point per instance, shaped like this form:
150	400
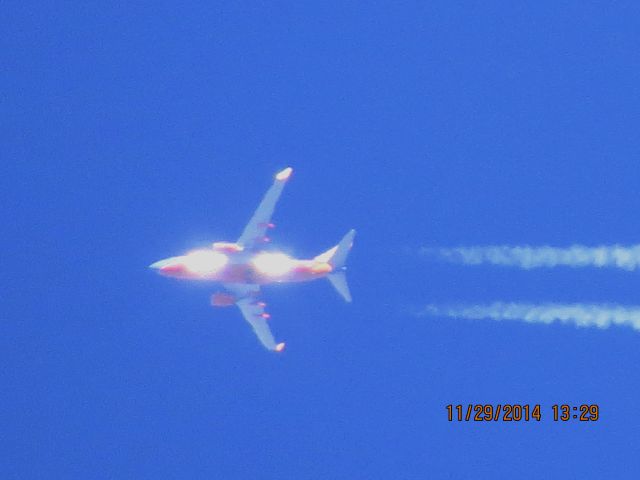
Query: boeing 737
242	267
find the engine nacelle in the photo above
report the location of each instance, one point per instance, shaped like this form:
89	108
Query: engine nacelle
223	299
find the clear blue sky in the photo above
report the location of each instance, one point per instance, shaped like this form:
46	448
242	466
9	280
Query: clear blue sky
131	133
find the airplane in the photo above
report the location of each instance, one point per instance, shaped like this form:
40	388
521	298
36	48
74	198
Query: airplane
242	267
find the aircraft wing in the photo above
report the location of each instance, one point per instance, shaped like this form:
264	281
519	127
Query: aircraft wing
253	311
254	233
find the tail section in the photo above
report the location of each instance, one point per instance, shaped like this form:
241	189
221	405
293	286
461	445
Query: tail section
337	257
339	282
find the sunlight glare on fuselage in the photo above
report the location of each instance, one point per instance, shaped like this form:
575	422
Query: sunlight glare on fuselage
203	262
273	264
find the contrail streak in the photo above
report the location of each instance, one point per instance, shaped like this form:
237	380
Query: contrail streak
579	314
627	258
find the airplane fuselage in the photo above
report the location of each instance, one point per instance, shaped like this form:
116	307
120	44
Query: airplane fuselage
258	268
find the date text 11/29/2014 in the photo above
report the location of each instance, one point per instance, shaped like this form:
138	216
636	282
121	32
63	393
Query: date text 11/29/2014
514	412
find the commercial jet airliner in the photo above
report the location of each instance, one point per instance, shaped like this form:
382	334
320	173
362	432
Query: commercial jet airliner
242	267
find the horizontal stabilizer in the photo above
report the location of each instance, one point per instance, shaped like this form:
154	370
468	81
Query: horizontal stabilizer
337	256
339	282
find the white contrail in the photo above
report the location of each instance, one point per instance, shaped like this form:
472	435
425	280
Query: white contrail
527	257
579	314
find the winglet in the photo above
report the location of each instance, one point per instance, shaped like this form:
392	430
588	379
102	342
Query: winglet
279	347
284	174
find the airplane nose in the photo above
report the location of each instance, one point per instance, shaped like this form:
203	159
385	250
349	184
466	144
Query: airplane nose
161	264
168	265
156	265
